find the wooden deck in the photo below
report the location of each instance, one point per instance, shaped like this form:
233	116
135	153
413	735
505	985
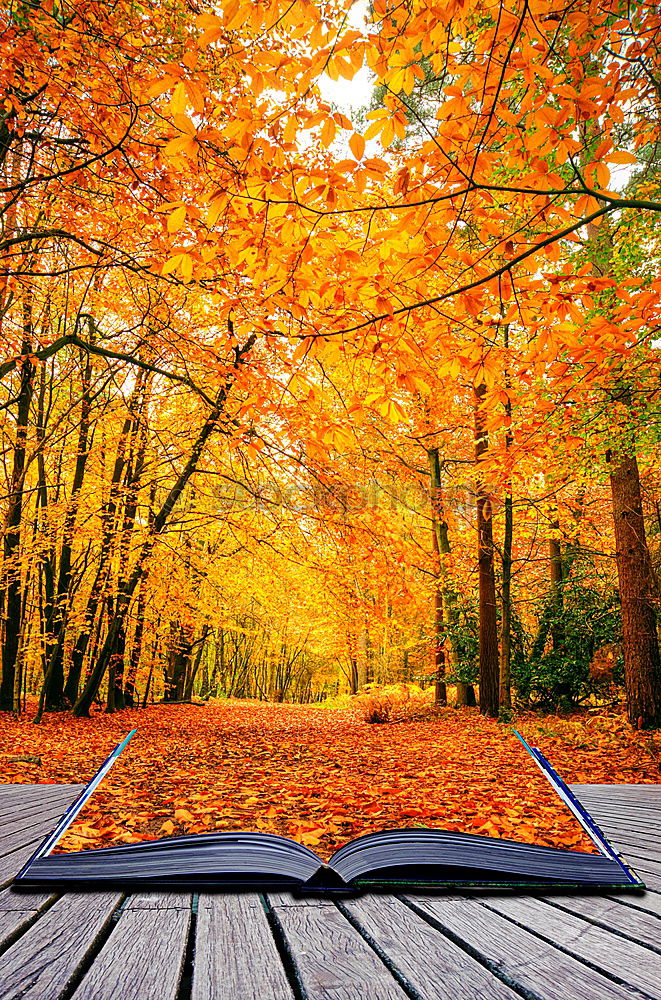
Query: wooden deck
178	946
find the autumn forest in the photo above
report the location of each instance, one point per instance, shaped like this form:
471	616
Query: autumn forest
306	397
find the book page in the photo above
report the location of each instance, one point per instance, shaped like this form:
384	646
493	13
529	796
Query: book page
323	777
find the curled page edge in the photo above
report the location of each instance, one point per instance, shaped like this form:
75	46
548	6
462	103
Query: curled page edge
595	834
49	842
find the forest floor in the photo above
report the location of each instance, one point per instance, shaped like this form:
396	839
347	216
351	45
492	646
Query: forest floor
322	775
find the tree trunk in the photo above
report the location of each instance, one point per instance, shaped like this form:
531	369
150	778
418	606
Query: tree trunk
505	695
489	667
115	700
98	586
642	667
353	662
465	696
57	696
12	540
195	666
136	648
640	640
440	689
506	620
134	469
557	596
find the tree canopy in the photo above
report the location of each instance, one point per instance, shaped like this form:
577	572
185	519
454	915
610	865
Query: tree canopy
295	400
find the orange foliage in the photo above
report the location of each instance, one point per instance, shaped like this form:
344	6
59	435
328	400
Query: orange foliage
320	775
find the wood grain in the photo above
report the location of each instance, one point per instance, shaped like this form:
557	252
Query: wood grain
526	961
142	959
616	915
608	952
235	952
431	963
333	961
43	963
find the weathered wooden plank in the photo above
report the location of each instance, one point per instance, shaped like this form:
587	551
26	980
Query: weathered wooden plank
16	820
159	901
14	833
11	864
643	790
333	961
13	811
614	915
17	846
632	792
26	797
652	881
44	962
11	901
643	863
630	852
646	808
627	960
618	814
527	962
617	811
17	911
649	902
428	961
235	952
621	808
13	923
8	792
22	794
641	838
143	958
643	802
52	796
36	791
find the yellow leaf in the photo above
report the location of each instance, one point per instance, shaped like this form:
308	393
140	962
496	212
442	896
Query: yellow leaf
179	99
240	16
182	144
177	219
186	266
215	208
301	351
374	129
160	87
388	134
183	816
172	264
290	130
184	124
397	80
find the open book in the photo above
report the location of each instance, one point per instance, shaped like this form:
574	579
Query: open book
393	859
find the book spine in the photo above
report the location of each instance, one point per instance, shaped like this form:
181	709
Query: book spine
595	834
47	845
